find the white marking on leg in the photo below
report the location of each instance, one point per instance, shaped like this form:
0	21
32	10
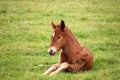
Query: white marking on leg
51	69
62	67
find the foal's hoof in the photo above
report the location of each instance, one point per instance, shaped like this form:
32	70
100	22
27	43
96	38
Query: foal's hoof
44	74
52	74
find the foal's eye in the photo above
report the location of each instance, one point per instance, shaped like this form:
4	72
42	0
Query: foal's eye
59	37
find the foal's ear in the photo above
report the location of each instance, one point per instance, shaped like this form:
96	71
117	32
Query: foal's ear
62	25
53	25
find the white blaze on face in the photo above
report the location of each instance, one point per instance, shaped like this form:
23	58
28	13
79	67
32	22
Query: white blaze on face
53	34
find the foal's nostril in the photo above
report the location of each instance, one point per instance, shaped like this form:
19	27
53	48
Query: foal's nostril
51	52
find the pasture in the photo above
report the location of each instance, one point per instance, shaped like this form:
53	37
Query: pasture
25	33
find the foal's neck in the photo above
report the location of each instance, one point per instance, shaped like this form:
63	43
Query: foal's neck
71	44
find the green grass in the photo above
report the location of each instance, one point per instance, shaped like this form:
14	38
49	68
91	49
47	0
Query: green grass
25	31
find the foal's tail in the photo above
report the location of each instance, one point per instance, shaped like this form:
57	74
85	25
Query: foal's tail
89	64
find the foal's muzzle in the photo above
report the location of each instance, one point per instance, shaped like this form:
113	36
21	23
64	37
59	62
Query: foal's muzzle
52	51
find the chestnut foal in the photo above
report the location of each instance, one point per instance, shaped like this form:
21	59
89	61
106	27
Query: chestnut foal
73	56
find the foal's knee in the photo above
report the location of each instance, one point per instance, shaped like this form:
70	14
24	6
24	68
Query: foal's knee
64	65
56	65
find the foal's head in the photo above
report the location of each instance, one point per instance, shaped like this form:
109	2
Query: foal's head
57	38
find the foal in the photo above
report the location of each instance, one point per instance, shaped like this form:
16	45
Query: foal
73	56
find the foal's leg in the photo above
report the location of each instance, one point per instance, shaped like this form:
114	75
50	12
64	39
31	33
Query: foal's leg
61	67
51	69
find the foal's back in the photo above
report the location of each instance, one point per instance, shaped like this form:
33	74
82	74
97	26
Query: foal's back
80	56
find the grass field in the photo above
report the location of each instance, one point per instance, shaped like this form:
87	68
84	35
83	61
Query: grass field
25	32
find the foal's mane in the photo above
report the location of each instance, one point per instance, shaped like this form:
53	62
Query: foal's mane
71	36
